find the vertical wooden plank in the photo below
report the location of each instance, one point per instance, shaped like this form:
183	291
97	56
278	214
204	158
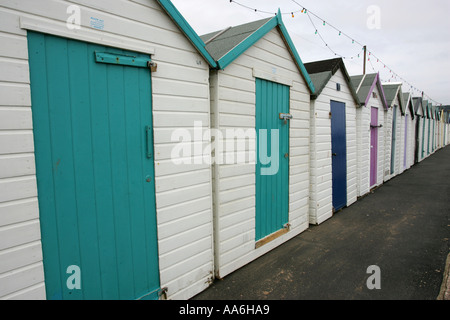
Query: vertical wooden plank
63	158
121	200
79	86
44	168
286	166
258	116
145	99
102	175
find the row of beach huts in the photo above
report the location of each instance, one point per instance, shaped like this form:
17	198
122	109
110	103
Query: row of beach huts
134	153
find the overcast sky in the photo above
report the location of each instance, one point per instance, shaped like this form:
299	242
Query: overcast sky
412	37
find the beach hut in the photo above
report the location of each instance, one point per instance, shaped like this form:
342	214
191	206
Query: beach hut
370	131
420	113
425	131
410	125
444	116
93	204
394	137
260	100
333	152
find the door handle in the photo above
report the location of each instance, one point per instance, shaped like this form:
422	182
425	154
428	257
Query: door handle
334	154
148	131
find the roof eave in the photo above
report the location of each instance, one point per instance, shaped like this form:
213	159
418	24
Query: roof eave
377	82
276	21
187	30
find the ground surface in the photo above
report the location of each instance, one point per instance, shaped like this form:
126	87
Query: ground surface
403	227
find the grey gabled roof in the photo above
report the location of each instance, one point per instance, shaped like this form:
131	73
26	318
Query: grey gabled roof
227	45
407	99
322	71
364	88
393	90
418	105
219	43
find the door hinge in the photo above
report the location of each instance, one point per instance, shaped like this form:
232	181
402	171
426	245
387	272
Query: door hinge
162	293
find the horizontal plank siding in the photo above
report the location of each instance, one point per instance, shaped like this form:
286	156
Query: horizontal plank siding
180	98
320	207
233	94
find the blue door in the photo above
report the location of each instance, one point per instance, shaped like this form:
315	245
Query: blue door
339	155
92	118
272	167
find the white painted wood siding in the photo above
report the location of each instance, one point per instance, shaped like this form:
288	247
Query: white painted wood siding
180	97
233	106
321	204
363	148
388	118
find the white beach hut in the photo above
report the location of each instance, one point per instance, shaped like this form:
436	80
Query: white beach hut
333	153
260	98
370	131
419	131
92	204
394	138
409	130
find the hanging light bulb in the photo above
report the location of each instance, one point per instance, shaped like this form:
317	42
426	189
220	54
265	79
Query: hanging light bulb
339	33
303	10
292	14
316	31
324	22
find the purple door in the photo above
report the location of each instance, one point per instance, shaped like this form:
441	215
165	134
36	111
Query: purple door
406	141
373	145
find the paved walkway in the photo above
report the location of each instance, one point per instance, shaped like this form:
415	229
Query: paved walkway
403	227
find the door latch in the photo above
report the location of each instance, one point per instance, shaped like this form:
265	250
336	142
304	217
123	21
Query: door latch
285	117
152	66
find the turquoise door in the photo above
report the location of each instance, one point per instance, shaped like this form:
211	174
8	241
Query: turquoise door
94	167
272	167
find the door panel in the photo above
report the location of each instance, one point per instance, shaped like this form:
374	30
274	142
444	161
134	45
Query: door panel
373	146
272	178
394	138
97	210
339	154
405	153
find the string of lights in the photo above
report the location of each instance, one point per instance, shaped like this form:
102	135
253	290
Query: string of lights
393	76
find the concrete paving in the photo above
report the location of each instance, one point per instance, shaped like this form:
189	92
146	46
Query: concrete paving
403	227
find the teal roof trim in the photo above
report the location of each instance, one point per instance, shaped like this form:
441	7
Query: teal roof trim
185	27
276	21
295	54
228	58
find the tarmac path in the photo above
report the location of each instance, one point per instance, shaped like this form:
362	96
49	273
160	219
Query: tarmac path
403	228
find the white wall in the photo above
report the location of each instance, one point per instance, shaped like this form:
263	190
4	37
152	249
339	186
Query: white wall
321	162
388	118
399	141
180	96
233	105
